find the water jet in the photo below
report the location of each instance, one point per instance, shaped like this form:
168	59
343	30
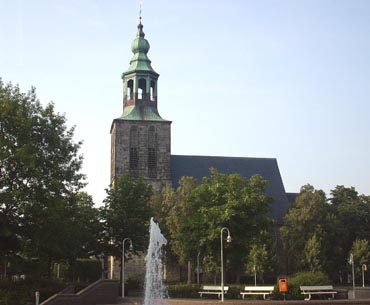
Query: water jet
155	289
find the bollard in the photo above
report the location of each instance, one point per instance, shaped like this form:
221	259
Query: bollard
37	295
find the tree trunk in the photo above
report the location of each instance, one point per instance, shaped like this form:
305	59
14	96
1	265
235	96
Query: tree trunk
189	272
238	278
121	276
49	267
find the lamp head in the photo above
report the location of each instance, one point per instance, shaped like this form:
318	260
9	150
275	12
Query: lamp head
228	238
350	261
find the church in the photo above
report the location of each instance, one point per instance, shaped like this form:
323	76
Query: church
141	139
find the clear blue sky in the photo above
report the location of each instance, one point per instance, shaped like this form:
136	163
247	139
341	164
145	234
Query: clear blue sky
285	79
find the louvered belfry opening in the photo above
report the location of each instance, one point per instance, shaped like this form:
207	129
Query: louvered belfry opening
152	152
134	151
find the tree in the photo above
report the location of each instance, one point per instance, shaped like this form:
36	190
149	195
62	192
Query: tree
84	225
178	219
313	253
361	252
200	211
126	214
309	232
258	261
353	212
342	194
167	209
39	173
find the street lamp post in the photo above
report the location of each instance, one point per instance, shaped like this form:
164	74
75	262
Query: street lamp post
123	264
255	275
198	268
364	268
228	239
352	262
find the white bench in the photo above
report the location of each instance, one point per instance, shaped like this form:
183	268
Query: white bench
310	290
213	290
257	290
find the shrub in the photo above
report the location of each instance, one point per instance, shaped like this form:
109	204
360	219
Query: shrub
191	291
183	291
234	291
305	278
23	291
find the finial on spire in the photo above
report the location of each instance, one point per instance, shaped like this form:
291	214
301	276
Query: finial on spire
140	3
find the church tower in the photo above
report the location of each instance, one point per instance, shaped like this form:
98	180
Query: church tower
140	138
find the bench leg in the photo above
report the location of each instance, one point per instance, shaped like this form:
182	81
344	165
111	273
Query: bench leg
309	297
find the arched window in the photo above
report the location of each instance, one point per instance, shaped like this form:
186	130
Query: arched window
134	149
152	90
130	89
152	152
141	89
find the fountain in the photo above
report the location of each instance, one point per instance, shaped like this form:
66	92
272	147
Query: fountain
155	290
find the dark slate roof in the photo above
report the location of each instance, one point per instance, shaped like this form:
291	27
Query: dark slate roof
198	167
291	197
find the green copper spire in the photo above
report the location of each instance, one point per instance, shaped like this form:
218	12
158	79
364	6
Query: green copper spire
140	47
140	83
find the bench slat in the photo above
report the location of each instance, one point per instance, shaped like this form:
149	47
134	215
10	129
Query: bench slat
315	288
311	290
217	290
257	290
214	288
319	292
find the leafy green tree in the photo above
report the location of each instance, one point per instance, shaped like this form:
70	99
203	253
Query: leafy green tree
126	214
342	194
200	211
309	232
178	219
9	240
361	253
313	253
84	225
353	212
258	261
167	210
39	179
63	230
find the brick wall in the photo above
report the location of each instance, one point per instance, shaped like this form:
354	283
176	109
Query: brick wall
120	152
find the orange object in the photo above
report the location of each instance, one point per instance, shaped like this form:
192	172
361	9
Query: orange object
283	285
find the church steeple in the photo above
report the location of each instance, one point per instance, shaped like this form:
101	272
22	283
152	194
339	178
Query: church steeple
140	138
140	83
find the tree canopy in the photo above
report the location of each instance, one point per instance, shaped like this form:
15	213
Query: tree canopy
198	211
126	214
320	233
44	215
40	180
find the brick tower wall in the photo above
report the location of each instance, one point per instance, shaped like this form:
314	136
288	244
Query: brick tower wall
120	151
